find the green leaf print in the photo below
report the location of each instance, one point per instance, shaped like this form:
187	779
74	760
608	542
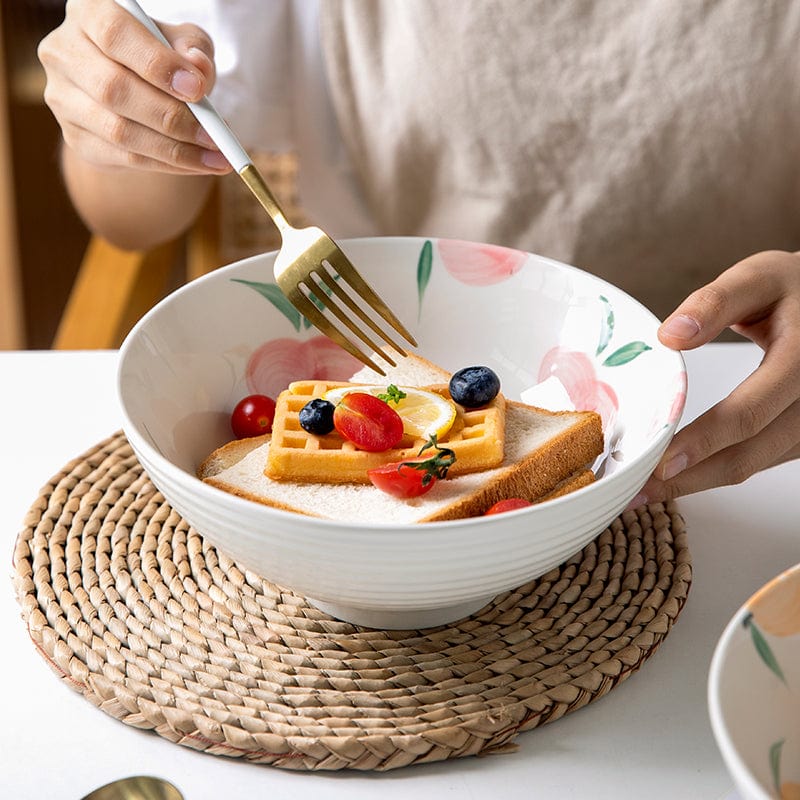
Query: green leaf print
278	299
626	353
607	325
762	647
424	267
775	765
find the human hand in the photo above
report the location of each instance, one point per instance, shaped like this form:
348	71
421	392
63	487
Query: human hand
119	94
758	424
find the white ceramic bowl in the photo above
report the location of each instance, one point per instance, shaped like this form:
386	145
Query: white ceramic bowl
754	691
192	357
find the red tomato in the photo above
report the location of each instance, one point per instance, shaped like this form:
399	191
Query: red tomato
511	504
367	421
401	480
253	416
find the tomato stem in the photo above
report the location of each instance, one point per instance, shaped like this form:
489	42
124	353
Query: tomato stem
435	467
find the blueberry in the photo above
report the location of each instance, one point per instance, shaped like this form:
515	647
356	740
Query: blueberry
473	387
316	416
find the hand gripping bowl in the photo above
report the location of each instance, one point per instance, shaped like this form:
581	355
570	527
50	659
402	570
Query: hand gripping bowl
754	691
192	357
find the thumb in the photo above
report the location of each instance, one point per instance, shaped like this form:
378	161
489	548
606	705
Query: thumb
694	322
744	292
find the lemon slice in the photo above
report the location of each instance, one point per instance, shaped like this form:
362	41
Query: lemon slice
423	413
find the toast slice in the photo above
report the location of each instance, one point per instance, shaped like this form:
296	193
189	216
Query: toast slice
546	454
476	438
554	465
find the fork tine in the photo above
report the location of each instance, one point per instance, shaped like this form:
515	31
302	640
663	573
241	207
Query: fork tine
316	290
330	281
345	268
307	307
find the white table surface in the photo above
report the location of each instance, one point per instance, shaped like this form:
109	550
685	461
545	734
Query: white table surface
650	737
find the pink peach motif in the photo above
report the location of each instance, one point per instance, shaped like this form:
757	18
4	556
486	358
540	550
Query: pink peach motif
577	374
677	394
479	264
679	399
278	362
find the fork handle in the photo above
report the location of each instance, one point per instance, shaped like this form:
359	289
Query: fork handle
204	111
220	133
258	186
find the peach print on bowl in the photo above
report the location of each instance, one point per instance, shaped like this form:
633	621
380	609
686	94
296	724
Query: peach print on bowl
274	364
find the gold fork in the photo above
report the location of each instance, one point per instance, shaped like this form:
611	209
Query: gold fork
310	268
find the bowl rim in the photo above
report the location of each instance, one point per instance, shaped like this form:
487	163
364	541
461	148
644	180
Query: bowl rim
179	475
741	772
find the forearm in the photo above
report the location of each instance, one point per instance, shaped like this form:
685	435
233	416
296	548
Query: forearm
132	209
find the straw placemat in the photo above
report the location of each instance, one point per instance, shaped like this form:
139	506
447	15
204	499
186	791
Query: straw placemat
132	608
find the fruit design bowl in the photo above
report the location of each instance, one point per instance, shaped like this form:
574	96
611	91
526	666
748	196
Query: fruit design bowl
754	692
533	321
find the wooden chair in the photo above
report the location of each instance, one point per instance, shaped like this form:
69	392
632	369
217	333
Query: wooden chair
114	287
12	332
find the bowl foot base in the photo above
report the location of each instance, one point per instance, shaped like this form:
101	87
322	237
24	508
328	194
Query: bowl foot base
392	620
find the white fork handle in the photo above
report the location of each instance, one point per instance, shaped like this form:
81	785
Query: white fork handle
206	114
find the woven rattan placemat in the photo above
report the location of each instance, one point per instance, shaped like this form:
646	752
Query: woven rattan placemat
132	608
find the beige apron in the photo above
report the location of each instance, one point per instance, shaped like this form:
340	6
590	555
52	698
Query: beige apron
651	142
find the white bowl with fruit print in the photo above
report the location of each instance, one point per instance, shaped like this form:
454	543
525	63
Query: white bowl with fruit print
538	324
754	692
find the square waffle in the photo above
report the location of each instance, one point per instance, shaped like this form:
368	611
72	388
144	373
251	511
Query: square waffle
476	437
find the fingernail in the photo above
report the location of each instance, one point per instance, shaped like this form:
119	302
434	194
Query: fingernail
674	466
681	327
196	51
637	501
213	159
186	84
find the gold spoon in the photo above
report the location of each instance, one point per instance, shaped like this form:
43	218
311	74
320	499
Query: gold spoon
138	787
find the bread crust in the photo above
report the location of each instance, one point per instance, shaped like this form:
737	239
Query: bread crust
544	473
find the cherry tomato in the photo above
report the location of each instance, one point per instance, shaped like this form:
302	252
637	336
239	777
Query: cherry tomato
401	480
253	416
511	504
367	421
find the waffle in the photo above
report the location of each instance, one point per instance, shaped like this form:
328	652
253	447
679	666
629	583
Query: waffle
476	437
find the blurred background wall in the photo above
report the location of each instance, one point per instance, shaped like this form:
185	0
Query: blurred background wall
41	238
